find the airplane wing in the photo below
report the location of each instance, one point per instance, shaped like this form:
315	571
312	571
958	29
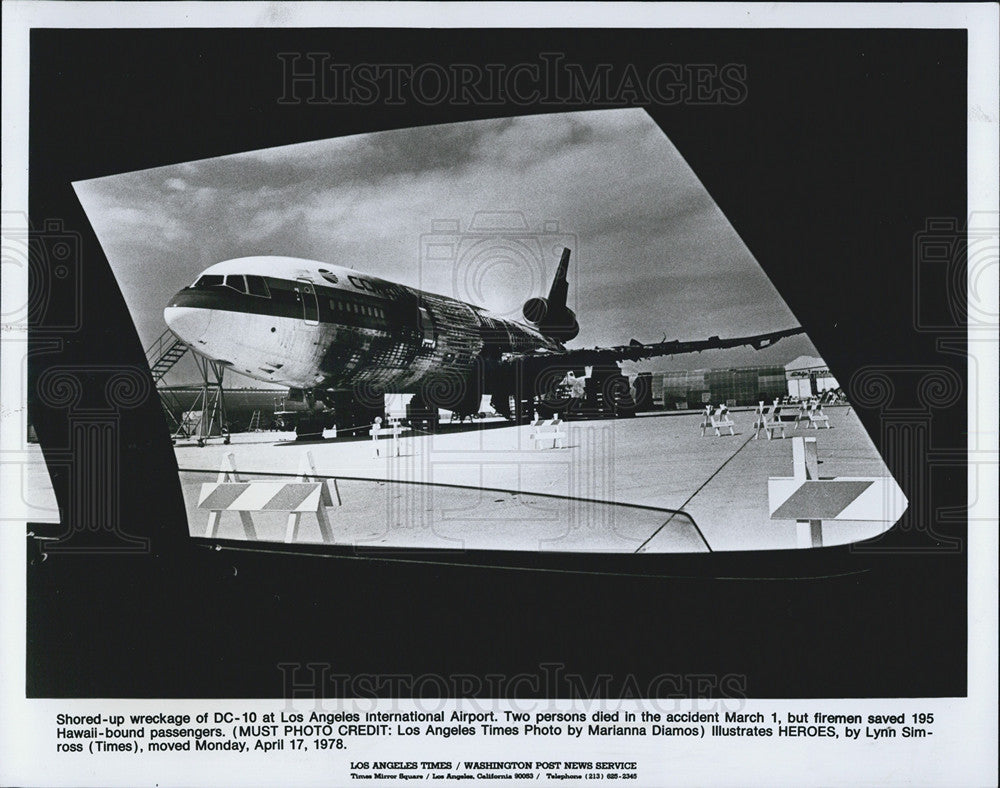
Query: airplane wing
637	351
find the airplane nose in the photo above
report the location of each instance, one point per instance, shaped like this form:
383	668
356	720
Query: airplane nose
188	323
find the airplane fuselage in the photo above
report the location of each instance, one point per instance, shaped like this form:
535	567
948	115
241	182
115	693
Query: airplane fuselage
316	326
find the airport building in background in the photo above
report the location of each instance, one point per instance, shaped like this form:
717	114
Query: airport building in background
806	376
809	376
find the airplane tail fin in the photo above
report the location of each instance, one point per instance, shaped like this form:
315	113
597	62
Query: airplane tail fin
551	315
560	284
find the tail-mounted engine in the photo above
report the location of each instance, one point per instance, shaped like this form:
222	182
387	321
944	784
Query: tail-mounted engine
550	315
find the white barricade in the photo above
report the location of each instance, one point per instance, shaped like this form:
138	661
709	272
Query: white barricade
812	414
718	420
766	420
809	500
817	416
543	432
230	494
391	432
802	415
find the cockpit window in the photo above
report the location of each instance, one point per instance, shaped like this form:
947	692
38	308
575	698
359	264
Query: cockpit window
256	286
208	280
236	282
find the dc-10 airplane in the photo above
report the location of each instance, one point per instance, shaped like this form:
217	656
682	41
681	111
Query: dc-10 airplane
341	339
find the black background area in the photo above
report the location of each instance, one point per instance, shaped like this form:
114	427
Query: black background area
847	142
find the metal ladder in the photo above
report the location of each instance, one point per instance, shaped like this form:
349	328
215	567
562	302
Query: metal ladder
161	356
166	351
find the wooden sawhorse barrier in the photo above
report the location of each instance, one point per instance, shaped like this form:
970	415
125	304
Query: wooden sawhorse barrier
308	494
766	420
718	421
812	414
544	431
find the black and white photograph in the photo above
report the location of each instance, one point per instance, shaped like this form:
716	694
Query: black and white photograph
411	358
498	392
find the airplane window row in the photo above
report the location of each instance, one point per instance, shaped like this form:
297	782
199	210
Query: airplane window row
358	309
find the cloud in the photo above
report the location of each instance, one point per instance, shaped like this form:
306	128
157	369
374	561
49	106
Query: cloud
652	252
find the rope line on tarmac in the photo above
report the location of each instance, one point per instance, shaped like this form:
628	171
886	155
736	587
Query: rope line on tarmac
573	498
579	499
690	498
673	512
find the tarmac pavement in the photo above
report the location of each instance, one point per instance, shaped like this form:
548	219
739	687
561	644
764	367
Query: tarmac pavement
488	487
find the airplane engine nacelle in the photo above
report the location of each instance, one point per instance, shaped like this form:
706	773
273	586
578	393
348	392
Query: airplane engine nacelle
560	324
535	310
565	327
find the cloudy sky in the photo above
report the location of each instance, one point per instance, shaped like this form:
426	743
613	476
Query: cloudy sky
652	254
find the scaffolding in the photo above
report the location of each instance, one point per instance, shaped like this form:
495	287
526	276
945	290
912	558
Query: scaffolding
206	418
212	420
